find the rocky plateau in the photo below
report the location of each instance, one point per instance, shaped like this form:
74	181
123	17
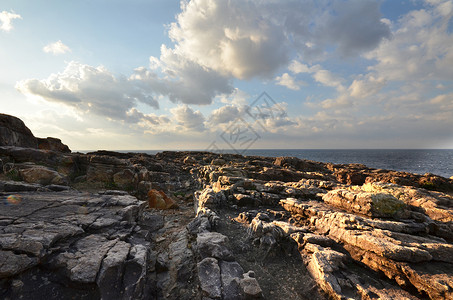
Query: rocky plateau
200	225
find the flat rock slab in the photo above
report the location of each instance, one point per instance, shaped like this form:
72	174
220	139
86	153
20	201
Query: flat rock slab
86	239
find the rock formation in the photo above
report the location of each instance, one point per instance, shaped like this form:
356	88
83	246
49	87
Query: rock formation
199	225
13	132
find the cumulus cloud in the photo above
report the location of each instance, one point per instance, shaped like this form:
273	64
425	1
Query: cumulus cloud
288	81
56	48
246	39
225	114
366	86
421	47
6	19
188	118
90	90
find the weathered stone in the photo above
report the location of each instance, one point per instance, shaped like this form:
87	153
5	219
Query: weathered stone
209	277
250	286
231	275
42	175
12	264
213	244
373	205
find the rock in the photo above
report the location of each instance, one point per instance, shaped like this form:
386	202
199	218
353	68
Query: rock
370	204
42	175
110	276
53	144
231	275
13	264
125	179
250	286
190	160
158	199
213	244
13	132
209	277
15	186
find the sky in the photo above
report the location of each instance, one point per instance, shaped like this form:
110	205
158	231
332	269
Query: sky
230	74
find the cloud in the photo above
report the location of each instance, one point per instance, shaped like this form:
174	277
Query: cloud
6	19
236	38
185	81
366	86
421	48
247	39
188	118
56	48
288	81
327	78
355	26
90	90
224	114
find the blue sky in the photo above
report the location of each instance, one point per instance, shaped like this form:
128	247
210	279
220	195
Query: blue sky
183	75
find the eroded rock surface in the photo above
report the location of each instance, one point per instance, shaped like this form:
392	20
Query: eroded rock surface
198	225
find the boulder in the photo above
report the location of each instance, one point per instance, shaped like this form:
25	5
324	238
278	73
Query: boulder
160	200
42	175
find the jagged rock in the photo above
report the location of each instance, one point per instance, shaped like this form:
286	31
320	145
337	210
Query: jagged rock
358	238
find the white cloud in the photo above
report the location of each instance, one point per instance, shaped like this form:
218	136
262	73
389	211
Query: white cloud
421	48
246	39
90	90
366	86
6	19
327	78
185	81
188	118
56	48
224	114
297	67
288	81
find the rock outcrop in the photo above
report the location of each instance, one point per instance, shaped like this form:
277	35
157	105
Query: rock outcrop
199	225
13	132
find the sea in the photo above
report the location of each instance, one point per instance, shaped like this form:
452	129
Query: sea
419	161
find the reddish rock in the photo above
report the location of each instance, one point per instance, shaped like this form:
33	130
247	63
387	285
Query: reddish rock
158	199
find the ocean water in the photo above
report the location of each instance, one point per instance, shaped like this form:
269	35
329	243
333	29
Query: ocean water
420	161
439	162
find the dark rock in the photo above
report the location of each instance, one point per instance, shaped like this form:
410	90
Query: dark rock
53	144
209	277
213	244
13	132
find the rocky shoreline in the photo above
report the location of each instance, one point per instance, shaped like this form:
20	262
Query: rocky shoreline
199	225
